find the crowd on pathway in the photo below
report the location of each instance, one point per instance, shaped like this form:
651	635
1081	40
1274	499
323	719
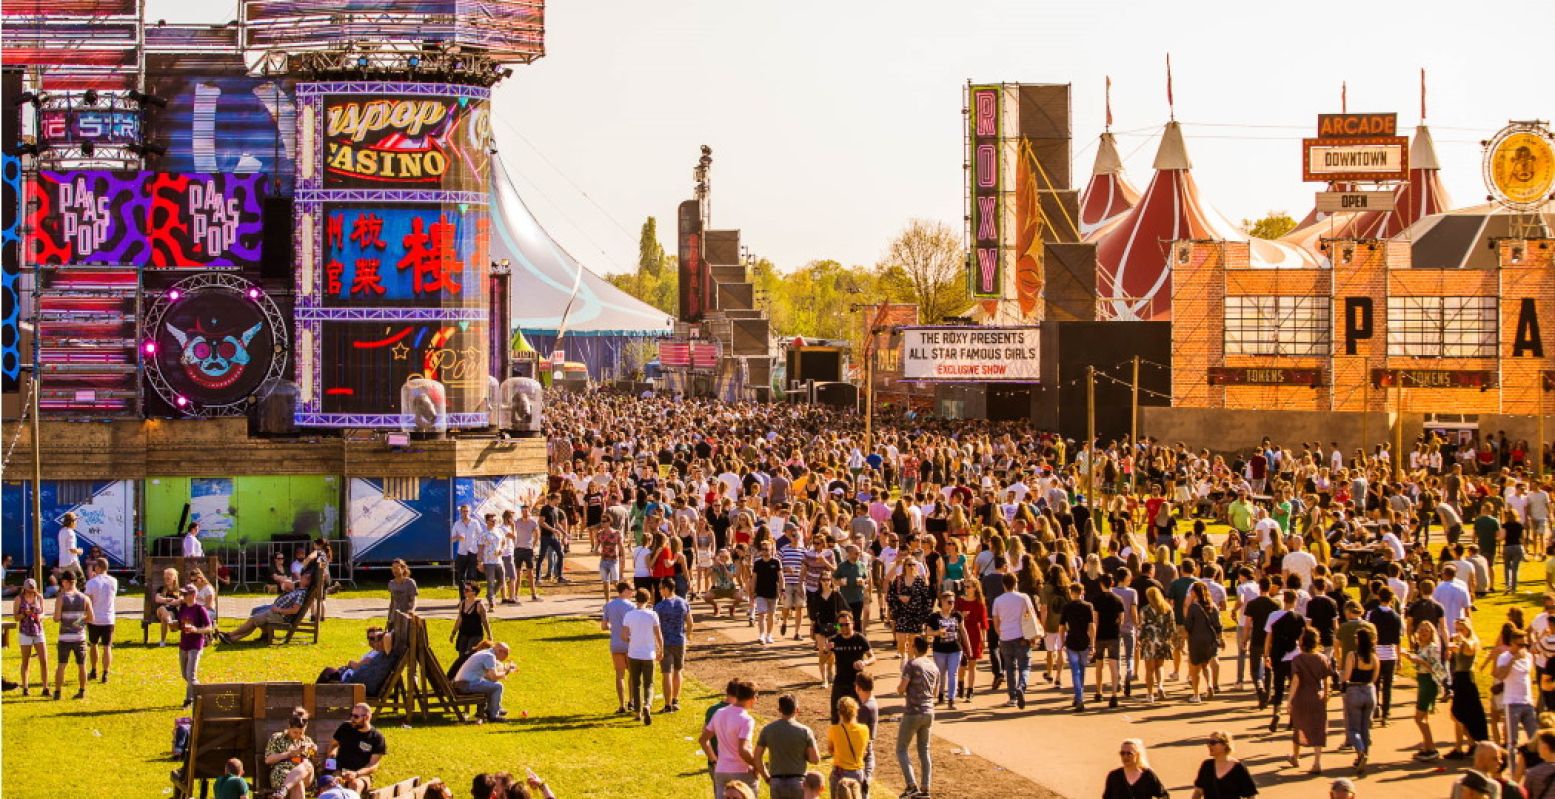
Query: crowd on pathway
977	542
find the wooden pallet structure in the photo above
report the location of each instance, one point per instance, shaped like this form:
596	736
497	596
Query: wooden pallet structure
152	581
418	686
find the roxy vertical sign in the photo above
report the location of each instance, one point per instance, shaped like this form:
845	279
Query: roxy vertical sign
983	113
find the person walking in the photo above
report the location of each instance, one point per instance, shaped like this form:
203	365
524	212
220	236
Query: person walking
1281	645
102	589
71	610
402	600
610	620
30	635
784	748
491	541
1468	709
1134	779
1111	611
1514	668
472	625
727	740
675	620
644	639
1310	676
1359	672
465	539
951	642
847	739
69	559
195	626
974	620
1429	671
1078	626
851	655
919	684
1202	620
1013	618
1222	776
1156	630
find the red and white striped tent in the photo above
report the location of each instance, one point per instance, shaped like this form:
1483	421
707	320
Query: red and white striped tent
1133	265
1109	195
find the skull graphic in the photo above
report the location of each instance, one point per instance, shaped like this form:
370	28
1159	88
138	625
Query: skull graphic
214	362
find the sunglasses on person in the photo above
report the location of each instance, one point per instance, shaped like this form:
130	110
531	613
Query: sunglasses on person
1127	753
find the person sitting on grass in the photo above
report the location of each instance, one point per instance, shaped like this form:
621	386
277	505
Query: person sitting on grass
483	673
289	754
287	605
502	785
357	750
372	669
232	784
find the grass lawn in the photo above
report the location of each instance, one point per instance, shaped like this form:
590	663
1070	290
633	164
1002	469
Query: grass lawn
122	732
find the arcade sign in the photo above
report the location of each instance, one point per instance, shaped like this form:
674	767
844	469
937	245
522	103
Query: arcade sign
1355	126
1264	376
972	353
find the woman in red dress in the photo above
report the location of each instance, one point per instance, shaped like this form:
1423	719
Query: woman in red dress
974	617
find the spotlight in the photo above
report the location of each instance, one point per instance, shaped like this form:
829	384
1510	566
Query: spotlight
413	62
181	401
172	296
253	294
90	97
150	348
142	99
362	62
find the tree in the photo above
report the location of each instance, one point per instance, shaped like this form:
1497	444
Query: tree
930	256
650	253
1272	225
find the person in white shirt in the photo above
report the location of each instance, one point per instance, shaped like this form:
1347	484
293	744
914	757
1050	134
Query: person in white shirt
1299	562
1394	545
491	559
644	640
483	673
1014	647
1453	596
1514	668
465	536
102	589
69	548
192	548
1266	528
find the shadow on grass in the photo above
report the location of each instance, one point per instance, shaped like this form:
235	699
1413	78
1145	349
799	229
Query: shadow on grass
593	636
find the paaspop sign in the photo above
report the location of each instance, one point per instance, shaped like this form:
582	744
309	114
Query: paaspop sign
972	354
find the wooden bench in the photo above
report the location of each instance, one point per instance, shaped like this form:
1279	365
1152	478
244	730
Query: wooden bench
328	707
418	686
152	582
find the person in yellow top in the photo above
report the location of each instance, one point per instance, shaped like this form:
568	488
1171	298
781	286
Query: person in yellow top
848	741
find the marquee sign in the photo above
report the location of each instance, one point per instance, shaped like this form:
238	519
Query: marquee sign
172	220
1520	166
1264	376
971	354
986	174
1356	126
1329	202
406	141
1379	158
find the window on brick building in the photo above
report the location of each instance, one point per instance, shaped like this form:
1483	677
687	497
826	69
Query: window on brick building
1278	325
1442	327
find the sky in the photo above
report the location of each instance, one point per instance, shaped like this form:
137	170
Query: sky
834	123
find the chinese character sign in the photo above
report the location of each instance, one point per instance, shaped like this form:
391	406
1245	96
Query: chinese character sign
414	255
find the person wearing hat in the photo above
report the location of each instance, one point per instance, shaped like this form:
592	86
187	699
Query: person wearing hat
71	610
1342	788
330	788
195	623
69	548
28	612
1475	785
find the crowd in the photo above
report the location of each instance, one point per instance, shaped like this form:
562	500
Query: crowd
978	542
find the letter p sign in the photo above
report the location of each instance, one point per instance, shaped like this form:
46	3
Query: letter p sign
1357	322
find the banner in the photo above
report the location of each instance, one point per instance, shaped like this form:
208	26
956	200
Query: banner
210	504
972	354
693	270
150	219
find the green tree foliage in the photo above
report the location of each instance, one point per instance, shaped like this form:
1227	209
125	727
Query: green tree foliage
1271	225
656	280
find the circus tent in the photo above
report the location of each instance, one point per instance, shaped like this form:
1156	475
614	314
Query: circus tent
554	296
1133	272
1109	195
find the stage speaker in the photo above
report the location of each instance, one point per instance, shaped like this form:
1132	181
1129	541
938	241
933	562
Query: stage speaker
820	365
275	260
837	394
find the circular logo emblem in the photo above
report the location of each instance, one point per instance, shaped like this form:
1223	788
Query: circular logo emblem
213	339
1520	167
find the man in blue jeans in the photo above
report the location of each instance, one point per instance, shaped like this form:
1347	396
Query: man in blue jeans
1078	627
919	685
1014	646
483	673
553	530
